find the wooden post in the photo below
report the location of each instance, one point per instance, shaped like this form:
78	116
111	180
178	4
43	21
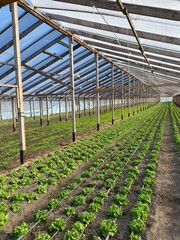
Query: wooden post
60	115
93	106
30	108
34	114
106	105
143	97
89	106
66	107
41	111
134	82
129	81
97	94
112	84
79	104
19	91
1	118
47	110
122	99
13	114
73	104
84	100
51	106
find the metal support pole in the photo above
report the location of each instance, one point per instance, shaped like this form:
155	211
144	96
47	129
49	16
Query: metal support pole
106	105
47	110
84	100
73	104
19	91
79	104
93	106
97	94
143	97
112	83
129	82
0	110
30	108
13	114
66	107
34	114
41	111
122	104
89	106
133	94
60	116
51	106
137	91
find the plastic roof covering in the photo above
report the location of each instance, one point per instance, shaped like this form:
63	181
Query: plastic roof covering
45	51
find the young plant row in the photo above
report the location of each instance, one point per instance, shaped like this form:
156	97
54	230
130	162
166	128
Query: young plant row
61	219
46	167
175	117
141	208
109	226
79	199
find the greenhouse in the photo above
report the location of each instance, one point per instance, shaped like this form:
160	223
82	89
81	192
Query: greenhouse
89	119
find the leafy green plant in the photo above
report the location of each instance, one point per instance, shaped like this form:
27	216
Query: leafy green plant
16	207
134	237
20	230
3	207
86	217
69	211
52	181
53	203
72	186
137	225
72	234
124	190
98	200
18	197
79	200
14	181
148	182
42	189
86	191
41	215
102	194
4	194
78	226
108	228
3	218
94	207
58	224
78	179
86	173
109	183
64	194
43	236
115	211
26	181
121	200
31	196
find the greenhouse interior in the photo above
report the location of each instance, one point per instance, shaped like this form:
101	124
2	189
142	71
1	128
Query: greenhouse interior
89	120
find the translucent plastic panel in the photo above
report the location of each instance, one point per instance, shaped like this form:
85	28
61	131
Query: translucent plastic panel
173	4
57	49
156	25
40	44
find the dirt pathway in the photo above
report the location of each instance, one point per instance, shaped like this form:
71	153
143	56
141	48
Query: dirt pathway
164	221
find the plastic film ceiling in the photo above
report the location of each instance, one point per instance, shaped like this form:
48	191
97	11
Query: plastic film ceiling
45	50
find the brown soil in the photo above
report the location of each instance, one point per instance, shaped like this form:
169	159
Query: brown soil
164	221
